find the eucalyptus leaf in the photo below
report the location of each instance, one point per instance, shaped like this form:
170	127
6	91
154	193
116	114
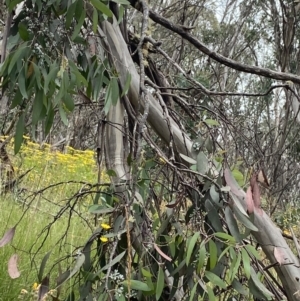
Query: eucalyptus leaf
202	163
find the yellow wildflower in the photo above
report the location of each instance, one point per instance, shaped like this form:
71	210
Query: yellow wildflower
35	286
104	239
105	226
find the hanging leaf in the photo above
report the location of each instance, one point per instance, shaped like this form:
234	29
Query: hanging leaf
136	285
246	263
214	194
49	118
232	224
114	261
188	159
22	84
244	219
160	283
78	26
213	254
69	102
258	284
238	204
20	53
190	247
44	289
17	100
37	106
63	114
70	14
114	91
95	20
78	264
7	237
239	287
127	84
262	179
43	265
202	163
201	258
215	280
211	122
102	7
211	295
161	253
13	267
19	133
231	182
23	32
193	292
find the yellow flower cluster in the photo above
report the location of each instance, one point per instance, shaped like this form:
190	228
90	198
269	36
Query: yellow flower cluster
51	166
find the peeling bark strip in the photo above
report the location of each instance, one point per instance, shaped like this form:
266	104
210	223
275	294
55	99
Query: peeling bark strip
268	235
266	72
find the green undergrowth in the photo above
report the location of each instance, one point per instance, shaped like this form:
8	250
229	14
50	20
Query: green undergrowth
32	212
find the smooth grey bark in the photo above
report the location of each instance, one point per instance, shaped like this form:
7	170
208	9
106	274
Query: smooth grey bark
269	235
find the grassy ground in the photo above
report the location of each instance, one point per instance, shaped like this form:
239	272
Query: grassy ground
47	168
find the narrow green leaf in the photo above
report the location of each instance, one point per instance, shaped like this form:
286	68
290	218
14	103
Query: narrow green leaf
127	84
211	295
79	25
17	100
146	273
37	74
49	118
244	219
260	286
69	102
188	159
114	261
136	285
246	263
253	251
43	265
202	163
215	280
18	55
51	76
201	258
124	2
70	14
20	127
213	254
193	292
190	247
95	20
239	287
211	122
232	224
37	106
235	265
108	99
63	115
225	236
160	283
114	91
102	7
23	32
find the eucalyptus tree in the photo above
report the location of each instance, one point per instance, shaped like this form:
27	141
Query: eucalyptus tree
176	89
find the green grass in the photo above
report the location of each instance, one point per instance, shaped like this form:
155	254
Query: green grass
37	211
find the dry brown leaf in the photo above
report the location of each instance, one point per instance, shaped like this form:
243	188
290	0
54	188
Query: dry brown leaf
262	178
279	255
13	267
255	191
231	182
249	200
7	237
161	253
